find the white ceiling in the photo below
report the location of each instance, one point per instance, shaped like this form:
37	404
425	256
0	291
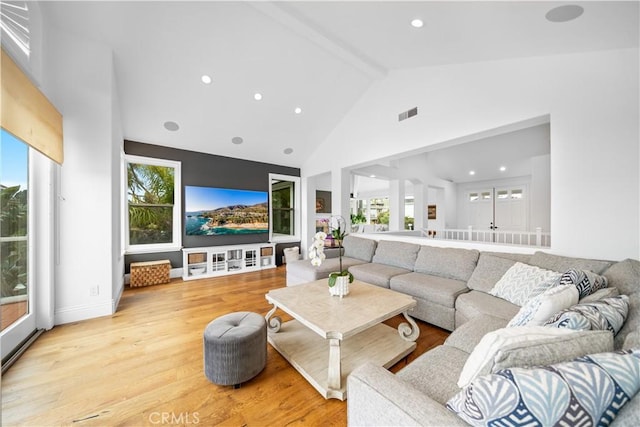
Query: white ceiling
320	56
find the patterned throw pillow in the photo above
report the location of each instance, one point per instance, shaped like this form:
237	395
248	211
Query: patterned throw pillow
522	282
586	281
538	310
589	390
605	314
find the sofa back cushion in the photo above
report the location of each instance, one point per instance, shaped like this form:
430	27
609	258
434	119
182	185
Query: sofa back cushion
359	248
625	276
451	263
489	270
397	254
563	263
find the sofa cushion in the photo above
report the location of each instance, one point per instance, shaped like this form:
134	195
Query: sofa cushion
539	309
525	346
625	276
467	336
359	248
587	282
396	254
523	282
435	372
475	303
303	269
451	263
563	263
376	274
489	270
589	390
607	314
431	288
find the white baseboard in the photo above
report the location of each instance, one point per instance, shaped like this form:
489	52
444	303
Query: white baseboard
83	312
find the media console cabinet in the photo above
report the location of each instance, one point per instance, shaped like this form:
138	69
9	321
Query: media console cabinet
212	261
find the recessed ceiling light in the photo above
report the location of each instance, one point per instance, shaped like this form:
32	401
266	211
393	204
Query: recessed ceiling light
237	140
503	168
288	150
172	126
257	96
417	23
298	110
472	172
206	79
564	13
372	176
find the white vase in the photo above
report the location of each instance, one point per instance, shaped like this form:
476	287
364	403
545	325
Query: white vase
341	288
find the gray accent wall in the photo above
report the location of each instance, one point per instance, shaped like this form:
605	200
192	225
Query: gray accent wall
208	170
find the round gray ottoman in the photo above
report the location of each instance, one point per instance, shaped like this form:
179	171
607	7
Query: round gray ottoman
235	348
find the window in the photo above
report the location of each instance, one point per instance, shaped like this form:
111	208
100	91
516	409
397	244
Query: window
14	224
503	194
516	194
284	196
153	205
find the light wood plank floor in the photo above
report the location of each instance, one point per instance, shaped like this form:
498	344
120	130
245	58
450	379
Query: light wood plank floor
143	365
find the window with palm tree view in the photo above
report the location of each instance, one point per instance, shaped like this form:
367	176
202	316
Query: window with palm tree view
153	202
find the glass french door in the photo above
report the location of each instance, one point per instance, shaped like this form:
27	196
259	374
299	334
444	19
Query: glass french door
17	318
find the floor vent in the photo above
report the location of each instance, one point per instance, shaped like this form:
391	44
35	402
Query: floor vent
408	114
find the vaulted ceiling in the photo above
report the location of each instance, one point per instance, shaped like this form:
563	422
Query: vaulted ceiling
319	57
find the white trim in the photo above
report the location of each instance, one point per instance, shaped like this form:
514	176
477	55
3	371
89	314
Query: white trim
83	312
176	244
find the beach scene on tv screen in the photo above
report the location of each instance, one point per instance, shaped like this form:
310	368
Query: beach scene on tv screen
213	211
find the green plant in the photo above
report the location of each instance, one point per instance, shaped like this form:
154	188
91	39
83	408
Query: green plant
316	250
383	217
358	218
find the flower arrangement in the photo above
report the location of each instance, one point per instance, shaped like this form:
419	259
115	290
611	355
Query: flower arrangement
316	250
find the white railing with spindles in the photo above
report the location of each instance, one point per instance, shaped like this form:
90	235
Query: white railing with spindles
504	237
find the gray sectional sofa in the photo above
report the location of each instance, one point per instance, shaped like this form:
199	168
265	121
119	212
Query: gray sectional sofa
451	287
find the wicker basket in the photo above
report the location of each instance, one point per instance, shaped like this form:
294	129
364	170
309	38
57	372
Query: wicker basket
149	273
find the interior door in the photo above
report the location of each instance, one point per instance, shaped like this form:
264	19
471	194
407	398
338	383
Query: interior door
480	208
511	208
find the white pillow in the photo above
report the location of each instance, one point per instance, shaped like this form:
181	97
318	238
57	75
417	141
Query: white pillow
522	282
539	309
483	355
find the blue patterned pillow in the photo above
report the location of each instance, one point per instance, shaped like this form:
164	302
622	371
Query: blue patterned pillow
605	314
589	390
587	282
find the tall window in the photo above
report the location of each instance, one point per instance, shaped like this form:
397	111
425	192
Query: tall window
153	205
285	208
14	220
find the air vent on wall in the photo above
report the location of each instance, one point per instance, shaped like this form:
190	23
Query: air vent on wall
408	114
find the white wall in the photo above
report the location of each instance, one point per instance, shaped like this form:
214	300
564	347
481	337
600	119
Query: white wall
540	193
78	79
592	100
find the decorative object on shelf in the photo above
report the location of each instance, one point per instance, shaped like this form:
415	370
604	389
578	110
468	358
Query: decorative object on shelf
338	280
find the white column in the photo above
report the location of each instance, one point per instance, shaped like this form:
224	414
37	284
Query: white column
340	192
396	205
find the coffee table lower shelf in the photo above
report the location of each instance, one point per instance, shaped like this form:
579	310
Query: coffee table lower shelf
308	353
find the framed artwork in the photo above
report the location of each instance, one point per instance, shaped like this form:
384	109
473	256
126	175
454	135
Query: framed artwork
431	212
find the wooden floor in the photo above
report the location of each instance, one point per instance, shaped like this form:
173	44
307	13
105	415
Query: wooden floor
143	365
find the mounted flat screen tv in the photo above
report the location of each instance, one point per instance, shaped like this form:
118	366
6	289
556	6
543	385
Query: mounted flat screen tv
213	211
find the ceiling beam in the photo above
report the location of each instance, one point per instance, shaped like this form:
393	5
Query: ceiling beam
289	18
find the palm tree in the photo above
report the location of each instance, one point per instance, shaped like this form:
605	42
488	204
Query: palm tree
151	198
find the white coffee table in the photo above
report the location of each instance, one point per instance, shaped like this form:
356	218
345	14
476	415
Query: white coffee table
331	336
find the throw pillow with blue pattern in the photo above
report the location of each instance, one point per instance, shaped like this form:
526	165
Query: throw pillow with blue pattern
605	314
586	281
587	391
